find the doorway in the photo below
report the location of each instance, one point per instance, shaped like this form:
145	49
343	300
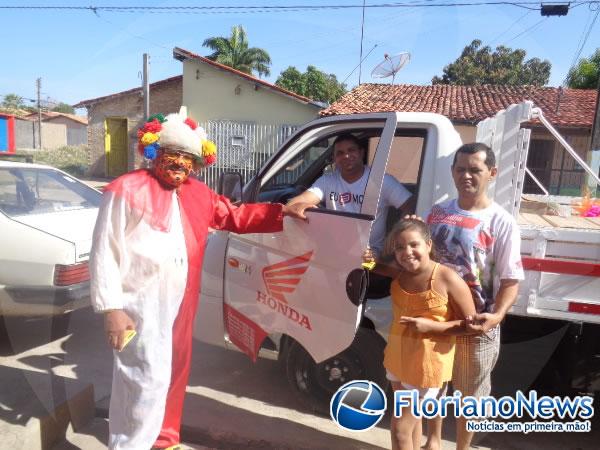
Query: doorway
115	145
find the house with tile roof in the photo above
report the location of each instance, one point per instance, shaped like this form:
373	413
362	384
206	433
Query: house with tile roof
241	113
248	118
571	111
113	121
213	91
76	126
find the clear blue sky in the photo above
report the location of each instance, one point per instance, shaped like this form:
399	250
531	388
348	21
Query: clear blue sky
80	55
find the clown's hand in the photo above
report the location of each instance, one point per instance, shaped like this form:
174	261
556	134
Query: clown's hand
296	210
368	255
368	259
116	322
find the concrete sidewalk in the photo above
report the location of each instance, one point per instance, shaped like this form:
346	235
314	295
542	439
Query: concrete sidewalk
231	403
95	435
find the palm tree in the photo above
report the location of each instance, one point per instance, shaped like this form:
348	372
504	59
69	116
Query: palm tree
13	101
234	52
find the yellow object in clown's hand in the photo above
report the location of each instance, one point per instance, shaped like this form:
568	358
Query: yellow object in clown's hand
128	335
370	265
368	259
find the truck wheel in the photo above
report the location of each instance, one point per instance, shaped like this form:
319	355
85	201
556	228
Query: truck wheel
315	384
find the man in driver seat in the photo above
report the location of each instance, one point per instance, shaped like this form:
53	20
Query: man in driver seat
344	188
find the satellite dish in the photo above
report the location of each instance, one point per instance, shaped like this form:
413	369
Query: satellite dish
390	66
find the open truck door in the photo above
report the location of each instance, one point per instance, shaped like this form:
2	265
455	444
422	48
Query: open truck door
304	287
305	282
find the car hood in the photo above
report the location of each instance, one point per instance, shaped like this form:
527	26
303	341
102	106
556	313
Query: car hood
74	226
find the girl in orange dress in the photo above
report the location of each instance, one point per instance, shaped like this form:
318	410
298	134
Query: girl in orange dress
430	304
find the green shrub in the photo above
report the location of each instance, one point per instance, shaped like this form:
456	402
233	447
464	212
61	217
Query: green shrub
74	160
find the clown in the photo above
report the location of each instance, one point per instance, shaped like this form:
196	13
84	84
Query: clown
145	266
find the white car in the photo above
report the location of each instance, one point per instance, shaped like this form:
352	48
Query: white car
47	219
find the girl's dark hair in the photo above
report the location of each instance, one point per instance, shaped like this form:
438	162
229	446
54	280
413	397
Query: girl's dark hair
403	225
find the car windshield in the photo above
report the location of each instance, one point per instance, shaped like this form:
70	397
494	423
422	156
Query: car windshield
26	191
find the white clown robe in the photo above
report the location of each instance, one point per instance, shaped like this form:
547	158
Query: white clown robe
146	259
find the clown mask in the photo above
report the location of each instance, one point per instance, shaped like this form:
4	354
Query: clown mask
173	168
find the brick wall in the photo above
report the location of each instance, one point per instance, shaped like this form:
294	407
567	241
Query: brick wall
163	99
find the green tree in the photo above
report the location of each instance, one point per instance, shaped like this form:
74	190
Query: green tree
64	108
586	74
480	65
313	83
13	102
291	79
334	89
233	51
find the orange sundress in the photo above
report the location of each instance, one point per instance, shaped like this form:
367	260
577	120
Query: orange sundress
420	359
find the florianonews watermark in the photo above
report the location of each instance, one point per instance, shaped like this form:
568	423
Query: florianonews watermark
506	407
475	409
360	405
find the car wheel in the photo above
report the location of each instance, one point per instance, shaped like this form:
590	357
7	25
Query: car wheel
315	384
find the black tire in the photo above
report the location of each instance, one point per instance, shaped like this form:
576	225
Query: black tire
314	384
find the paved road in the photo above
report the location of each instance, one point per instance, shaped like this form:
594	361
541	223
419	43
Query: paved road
231	402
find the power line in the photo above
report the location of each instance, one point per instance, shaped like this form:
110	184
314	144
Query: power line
526	30
583	33
582	46
194	9
345	79
510	27
577	4
587	35
339	32
128	32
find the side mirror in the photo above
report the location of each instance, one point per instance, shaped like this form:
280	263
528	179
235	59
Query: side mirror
230	185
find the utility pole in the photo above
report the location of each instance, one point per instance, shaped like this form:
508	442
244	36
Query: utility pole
362	29
38	84
146	87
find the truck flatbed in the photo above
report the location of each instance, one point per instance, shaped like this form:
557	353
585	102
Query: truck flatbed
539	211
550	221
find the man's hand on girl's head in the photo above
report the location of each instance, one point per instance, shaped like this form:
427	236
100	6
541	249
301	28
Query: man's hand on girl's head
413	217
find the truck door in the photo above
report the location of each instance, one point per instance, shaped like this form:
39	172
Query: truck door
305	282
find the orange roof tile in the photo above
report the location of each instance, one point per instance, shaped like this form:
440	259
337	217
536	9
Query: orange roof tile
49	115
574	108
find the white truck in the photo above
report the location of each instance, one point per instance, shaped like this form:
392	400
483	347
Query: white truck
299	295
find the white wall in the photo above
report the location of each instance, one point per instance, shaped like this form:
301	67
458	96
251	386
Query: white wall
213	94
